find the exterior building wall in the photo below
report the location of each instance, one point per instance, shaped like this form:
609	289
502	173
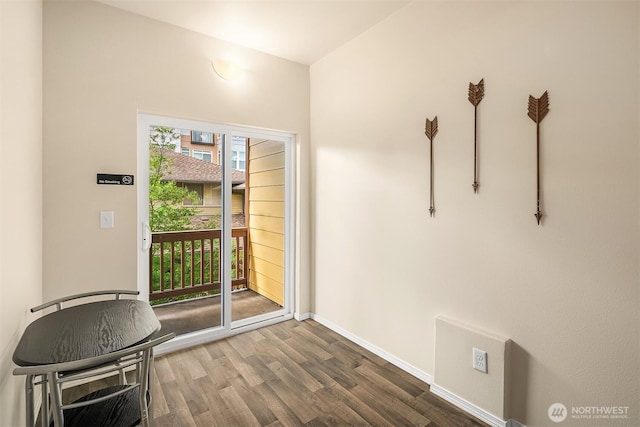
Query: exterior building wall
188	144
266	218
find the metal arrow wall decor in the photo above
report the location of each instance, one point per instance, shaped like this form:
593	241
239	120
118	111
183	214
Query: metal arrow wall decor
476	93
538	109
430	130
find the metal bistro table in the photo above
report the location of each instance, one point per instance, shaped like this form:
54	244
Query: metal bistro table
81	332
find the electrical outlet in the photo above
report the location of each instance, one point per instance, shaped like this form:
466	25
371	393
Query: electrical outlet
480	360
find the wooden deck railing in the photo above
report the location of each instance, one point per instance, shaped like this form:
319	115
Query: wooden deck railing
189	262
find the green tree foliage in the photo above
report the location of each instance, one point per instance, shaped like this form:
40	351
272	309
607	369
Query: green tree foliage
166	211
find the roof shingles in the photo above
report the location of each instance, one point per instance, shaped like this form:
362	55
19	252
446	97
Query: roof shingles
189	169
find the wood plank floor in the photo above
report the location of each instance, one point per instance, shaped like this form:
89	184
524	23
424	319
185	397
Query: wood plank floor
292	374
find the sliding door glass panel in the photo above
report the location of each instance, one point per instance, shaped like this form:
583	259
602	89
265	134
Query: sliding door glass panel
264	208
185	217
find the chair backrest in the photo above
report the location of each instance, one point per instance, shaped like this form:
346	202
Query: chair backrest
128	400
58	302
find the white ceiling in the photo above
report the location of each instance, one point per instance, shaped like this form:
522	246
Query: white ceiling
299	30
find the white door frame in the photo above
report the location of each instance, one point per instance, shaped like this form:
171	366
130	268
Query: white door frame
228	327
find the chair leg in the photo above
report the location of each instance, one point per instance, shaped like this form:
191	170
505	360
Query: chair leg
28	391
149	385
56	396
44	409
144	388
122	377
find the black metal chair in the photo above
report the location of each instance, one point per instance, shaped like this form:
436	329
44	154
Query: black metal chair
120	405
117	405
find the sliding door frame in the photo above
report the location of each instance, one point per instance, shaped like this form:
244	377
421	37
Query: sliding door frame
228	326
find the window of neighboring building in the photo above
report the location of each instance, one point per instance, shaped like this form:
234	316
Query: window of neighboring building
199	189
203	155
185	151
238	160
198	137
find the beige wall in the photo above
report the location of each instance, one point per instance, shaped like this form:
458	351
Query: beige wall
20	188
567	292
102	66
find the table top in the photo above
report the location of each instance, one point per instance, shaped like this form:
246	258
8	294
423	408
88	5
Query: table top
84	331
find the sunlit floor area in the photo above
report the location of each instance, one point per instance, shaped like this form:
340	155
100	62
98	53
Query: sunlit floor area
196	314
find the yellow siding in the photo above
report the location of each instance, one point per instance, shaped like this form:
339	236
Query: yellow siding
267	269
267	238
273	194
266	219
265	148
268	163
209	210
274	256
213	201
268	209
266	178
212	195
266	223
267	287
237	203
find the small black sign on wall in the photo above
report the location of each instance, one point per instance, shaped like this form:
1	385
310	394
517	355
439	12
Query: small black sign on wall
114	179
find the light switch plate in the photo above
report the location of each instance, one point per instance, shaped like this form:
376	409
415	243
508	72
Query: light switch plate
106	219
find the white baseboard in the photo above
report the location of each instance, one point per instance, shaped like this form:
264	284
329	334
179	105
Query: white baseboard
418	373
300	317
469	407
455	400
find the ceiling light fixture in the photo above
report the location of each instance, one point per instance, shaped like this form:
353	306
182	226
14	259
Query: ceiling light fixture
227	70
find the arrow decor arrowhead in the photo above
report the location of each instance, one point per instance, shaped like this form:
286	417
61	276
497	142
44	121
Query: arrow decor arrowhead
538	109
476	93
431	129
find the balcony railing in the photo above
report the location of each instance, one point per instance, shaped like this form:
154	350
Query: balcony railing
189	262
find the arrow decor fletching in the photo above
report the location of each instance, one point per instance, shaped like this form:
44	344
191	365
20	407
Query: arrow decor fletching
538	108
431	128
476	92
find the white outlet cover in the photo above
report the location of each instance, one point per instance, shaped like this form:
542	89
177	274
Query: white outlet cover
480	360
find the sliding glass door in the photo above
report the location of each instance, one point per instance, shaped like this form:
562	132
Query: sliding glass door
214	206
